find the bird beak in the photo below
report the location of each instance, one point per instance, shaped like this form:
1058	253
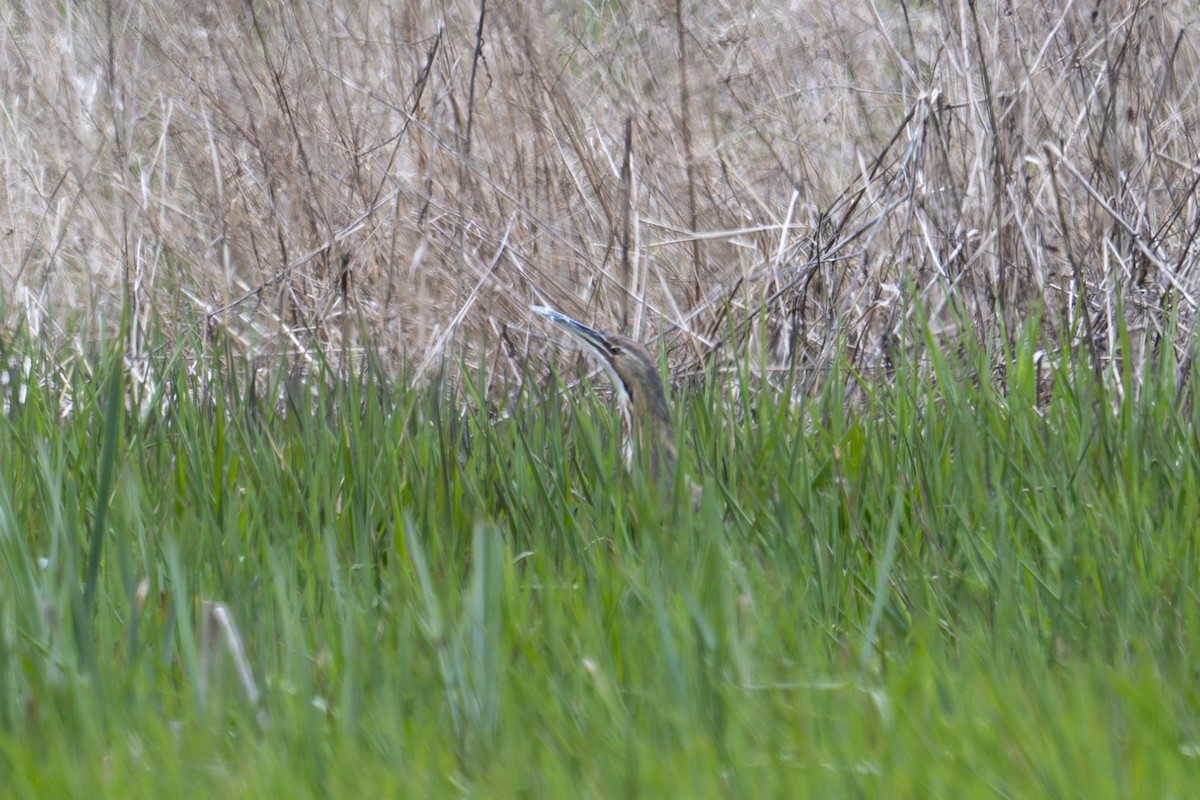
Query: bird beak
602	347
592	339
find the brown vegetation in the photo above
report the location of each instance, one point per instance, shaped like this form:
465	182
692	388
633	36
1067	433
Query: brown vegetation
766	175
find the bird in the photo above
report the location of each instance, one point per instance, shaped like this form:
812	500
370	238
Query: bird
641	397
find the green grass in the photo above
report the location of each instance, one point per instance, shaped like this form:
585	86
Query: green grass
943	592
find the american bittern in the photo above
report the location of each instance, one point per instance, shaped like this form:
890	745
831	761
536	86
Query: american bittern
640	394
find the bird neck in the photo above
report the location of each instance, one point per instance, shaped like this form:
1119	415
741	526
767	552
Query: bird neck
653	439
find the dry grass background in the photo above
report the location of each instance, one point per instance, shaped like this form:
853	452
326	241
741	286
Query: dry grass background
778	178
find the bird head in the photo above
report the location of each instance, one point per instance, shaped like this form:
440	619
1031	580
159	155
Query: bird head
639	388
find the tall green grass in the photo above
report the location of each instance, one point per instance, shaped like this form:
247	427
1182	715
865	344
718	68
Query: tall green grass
958	587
